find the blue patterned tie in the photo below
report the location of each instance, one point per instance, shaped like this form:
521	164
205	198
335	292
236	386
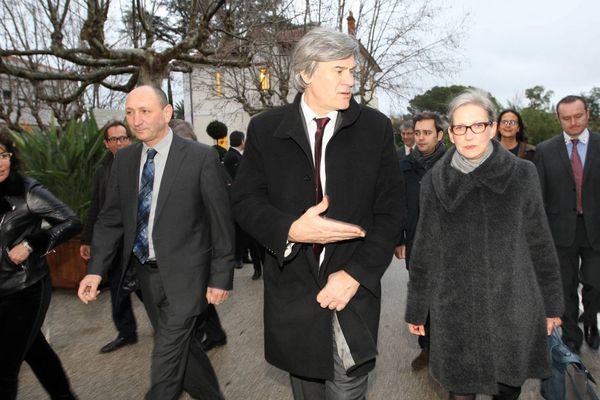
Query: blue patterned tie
140	246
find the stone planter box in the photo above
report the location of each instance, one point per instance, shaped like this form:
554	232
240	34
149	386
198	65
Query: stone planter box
67	268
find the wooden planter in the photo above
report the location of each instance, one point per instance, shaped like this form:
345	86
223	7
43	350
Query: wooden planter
67	267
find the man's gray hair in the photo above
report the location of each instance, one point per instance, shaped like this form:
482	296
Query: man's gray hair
408	124
319	45
473	96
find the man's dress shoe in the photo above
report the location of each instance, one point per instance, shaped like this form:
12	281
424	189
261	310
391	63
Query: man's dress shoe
208	344
118	343
256	275
591	336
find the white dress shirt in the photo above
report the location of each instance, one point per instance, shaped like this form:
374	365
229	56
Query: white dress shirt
583	137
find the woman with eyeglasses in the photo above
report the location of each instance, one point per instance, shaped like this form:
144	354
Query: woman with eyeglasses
511	134
483	263
25	286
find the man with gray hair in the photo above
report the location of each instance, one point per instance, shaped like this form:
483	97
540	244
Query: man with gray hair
408	139
320	188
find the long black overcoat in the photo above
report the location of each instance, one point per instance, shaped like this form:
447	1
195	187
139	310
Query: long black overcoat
274	186
484	266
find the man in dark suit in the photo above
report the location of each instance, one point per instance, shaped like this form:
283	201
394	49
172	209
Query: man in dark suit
569	171
116	136
429	134
307	167
168	204
243	241
408	139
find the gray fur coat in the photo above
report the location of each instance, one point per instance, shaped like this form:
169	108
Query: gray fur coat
484	266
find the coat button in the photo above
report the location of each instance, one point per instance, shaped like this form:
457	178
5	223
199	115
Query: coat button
306	178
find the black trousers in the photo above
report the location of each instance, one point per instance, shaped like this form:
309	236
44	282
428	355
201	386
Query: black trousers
244	243
121	308
212	324
590	298
505	392
21	317
178	361
578	261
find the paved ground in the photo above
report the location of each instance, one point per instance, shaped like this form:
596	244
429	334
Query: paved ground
77	332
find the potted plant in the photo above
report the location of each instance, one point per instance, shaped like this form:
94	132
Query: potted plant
64	161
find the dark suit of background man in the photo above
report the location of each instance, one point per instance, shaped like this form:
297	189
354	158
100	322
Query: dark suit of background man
180	244
408	139
322	305
243	241
116	136
428	131
573	211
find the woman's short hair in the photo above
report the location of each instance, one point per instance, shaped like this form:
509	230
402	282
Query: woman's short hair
7	142
319	45
473	96
521	132
216	130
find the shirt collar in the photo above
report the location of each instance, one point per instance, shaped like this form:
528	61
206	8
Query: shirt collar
310	115
583	136
163	146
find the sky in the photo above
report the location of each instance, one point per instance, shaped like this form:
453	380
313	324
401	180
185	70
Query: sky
512	45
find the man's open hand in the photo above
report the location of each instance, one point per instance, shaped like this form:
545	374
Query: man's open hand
311	227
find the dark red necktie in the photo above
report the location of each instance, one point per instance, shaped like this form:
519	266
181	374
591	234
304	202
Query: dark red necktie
577	174
321	124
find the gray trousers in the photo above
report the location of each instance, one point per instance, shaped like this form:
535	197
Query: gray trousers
178	361
342	387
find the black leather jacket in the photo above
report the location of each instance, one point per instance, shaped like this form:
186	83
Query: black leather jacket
24	203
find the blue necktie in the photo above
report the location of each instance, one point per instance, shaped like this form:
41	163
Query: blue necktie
140	246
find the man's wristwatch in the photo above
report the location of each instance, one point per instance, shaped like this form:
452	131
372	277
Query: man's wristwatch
26	244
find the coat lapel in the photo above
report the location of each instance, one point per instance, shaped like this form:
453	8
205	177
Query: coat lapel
133	165
174	161
561	152
593	152
293	127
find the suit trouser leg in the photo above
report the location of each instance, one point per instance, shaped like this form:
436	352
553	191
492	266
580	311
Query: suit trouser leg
122	310
211	324
178	361
590	277
590	298
569	269
342	387
256	254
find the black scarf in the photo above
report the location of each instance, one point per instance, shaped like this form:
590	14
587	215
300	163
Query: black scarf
429	160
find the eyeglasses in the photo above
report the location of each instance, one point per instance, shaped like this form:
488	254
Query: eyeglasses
477	128
423	133
120	139
507	123
5	156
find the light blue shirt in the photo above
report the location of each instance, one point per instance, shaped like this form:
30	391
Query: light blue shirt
160	160
584	138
